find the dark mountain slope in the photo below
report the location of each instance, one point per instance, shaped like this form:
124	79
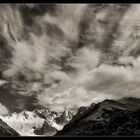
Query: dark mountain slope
106	118
5	130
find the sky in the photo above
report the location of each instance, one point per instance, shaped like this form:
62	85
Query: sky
66	56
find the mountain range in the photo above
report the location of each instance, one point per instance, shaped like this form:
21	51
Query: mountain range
107	118
38	122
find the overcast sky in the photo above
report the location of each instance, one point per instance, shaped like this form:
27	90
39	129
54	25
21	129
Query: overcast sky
66	56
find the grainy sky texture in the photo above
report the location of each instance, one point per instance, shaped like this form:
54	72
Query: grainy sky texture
66	55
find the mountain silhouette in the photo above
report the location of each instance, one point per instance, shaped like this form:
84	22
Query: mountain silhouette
107	118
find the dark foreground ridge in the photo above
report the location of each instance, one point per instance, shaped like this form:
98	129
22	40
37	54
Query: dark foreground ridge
5	130
107	118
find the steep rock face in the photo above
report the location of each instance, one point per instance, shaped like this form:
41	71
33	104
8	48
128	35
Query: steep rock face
107	118
5	130
46	113
56	123
46	130
64	118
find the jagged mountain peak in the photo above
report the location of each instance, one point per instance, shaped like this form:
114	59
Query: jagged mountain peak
67	113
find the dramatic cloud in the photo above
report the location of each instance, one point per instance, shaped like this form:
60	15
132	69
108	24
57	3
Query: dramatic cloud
69	55
2	82
104	82
3	110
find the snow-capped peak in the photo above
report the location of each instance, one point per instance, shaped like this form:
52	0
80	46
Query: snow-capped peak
27	122
23	122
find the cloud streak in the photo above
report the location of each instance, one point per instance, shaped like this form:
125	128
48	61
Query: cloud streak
73	56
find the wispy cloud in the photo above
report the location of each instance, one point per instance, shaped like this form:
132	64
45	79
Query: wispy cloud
77	55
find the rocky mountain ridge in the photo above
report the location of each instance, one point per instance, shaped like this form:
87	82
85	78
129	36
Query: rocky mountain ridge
107	118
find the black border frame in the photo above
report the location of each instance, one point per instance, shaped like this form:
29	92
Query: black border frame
68	2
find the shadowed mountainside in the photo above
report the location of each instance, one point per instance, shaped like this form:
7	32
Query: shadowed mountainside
5	130
107	118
